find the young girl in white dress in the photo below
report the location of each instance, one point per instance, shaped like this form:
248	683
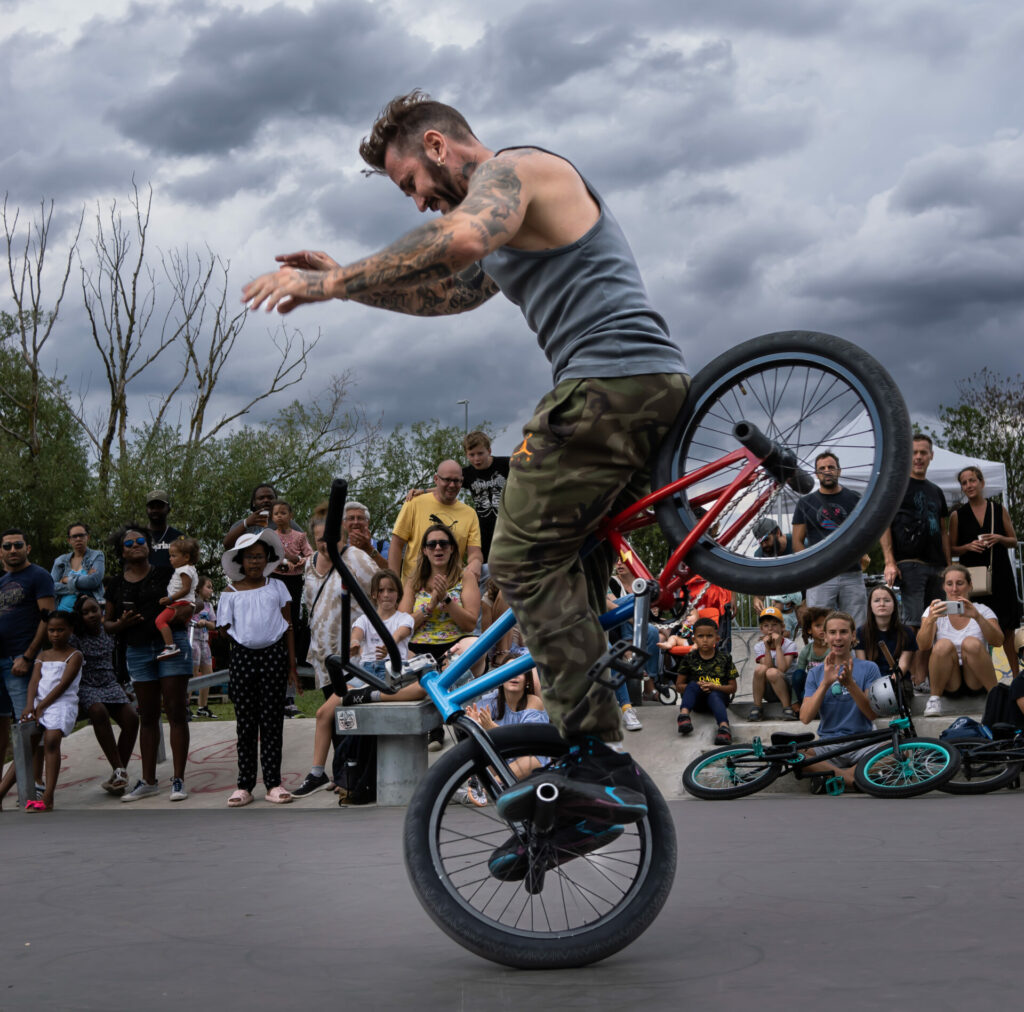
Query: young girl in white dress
52	701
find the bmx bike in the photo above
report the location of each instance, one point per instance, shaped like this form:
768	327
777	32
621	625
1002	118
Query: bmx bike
902	766
742	449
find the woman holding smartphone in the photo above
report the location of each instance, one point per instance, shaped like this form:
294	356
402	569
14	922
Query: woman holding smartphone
958	632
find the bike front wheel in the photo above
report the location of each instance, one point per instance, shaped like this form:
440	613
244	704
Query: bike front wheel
571	915
733	771
807	393
917	766
982	769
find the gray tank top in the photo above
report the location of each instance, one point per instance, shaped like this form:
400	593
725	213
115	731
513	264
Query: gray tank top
587	303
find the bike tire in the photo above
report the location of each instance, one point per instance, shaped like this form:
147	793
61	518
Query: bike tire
714	776
926	764
614	893
982	770
808	392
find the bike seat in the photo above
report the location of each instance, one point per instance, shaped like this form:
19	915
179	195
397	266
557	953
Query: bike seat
1002	730
785	738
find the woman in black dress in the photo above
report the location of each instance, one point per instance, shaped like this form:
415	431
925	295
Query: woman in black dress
981	533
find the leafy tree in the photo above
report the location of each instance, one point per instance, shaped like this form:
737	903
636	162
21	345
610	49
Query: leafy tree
46	479
988	422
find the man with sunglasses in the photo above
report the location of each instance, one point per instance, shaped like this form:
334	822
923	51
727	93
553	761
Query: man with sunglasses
438	506
26	593
816	516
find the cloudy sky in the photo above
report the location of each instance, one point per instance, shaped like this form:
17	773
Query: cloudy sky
856	168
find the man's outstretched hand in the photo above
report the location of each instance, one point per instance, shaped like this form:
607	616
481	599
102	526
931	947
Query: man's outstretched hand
302	278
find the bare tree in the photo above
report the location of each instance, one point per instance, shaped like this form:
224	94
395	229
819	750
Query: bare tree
120	291
31	324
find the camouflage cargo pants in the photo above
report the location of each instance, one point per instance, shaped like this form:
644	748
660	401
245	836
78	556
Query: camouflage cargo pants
586	451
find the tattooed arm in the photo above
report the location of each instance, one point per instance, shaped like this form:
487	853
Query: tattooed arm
424	271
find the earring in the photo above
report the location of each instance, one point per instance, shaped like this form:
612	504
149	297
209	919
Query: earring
440	161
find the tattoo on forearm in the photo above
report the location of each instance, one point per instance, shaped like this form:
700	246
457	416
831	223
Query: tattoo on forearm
455	294
314	282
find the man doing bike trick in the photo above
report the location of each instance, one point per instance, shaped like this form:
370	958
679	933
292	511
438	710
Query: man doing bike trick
524	222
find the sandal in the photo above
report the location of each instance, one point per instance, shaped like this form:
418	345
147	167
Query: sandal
788	714
684	724
36	806
724	736
278	796
755	714
239	798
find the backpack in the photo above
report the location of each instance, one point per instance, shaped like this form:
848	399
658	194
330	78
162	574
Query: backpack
355	766
965	729
1001	708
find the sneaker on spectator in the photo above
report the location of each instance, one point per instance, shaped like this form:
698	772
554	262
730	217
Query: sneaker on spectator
630	721
311	785
168	652
291	710
141	790
435	740
475	793
923	689
205	711
178	792
933	708
117	783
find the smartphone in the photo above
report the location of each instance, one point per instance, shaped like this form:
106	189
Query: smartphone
128	605
954	607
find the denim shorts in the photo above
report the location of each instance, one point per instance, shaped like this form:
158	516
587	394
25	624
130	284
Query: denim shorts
13	690
144	667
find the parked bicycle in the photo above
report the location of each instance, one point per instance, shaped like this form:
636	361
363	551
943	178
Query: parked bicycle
742	449
902	766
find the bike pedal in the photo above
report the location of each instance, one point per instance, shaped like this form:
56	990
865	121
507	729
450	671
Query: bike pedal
835	786
618	667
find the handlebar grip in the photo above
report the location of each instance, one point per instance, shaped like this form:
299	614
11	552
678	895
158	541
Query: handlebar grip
335	510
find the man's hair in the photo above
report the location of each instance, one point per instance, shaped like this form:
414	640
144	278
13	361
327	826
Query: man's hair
352	506
12	530
823	455
841	616
476	438
404	120
923	437
705	623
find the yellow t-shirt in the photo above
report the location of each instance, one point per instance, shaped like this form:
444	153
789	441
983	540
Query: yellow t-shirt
419	513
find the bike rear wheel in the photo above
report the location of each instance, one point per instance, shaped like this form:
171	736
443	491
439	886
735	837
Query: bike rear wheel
733	771
585	910
807	392
982	769
918	766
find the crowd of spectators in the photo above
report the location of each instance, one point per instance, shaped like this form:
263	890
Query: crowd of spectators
140	619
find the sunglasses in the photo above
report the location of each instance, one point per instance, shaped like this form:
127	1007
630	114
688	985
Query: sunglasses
10	546
131	542
80	534
449	481
437	544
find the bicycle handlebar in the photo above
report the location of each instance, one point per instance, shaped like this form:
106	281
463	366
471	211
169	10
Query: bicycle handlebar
332	533
779	461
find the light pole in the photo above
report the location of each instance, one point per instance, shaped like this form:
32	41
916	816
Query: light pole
465	405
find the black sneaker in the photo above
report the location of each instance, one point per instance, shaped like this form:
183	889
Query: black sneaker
595	783
510	862
291	710
311	785
356	696
205	711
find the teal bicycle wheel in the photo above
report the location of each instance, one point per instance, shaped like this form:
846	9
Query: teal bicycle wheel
915	766
733	771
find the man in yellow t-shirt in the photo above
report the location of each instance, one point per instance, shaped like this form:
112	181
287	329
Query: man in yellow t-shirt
439	505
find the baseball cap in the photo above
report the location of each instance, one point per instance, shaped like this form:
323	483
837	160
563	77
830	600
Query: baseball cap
771	612
158	495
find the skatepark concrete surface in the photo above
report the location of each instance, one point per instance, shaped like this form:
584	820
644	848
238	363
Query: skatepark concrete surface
781	902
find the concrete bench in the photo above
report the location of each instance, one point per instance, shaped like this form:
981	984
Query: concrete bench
401	730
